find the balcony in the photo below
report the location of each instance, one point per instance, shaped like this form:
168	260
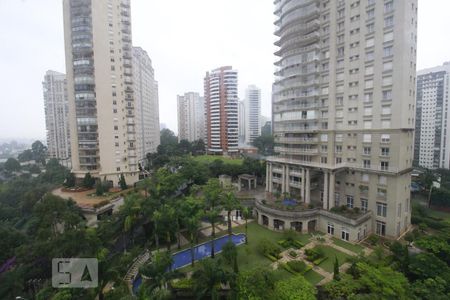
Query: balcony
296	140
301	151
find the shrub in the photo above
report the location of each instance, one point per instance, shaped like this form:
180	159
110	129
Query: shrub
266	247
292	253
314	254
183	283
373	239
297	266
88	181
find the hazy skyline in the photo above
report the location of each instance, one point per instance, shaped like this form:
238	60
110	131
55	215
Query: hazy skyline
183	43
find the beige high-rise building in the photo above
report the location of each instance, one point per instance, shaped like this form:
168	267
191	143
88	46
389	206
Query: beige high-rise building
252	113
343	115
100	89
147	104
56	115
191	117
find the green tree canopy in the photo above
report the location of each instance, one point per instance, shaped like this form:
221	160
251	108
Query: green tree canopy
294	288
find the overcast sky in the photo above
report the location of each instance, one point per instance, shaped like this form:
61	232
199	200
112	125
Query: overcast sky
184	40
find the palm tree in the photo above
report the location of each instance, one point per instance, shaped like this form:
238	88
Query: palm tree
246	213
159	270
230	203
192	224
156	217
213	216
207	278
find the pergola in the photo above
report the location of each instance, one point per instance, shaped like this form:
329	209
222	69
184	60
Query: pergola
251	180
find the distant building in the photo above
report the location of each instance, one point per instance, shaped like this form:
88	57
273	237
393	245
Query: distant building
252	113
56	115
242	124
147	104
432	136
191	117
221	105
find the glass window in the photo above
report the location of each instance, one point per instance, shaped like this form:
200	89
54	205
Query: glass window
385	138
367	138
384	165
330	228
382	180
350	201
364	204
365	177
381	209
381	228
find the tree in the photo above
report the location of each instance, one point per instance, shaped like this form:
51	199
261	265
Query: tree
336	275
230	203
88	181
159	270
122	182
99	188
12	165
246	213
294	288
192	225
265	144
255	284
39	152
213	216
34	169
26	155
230	254
207	277
198	147
430	289
185	147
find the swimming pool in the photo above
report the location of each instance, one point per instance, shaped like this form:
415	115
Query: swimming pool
183	258
289	202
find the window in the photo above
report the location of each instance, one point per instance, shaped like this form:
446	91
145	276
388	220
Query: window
367	138
370	28
381	193
389	21
369	56
349	201
364	204
385	138
381	228
384	165
387	95
330	228
116	127
368	84
365	177
339	137
369	70
386	124
399	210
384	151
370	14
366	150
370	42
382	180
388	6
381	209
345	234
368	97
386	110
338	160
387	66
388	51
324	138
389	36
367	111
338	149
366	163
323	160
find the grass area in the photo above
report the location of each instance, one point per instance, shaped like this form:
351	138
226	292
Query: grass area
420	199
352	247
331	253
313	277
210	158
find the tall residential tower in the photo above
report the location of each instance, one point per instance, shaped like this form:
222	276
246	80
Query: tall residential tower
100	89
147	103
191	117
221	105
56	115
343	112
252	113
432	142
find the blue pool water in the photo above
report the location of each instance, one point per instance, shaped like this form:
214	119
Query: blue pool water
183	258
289	202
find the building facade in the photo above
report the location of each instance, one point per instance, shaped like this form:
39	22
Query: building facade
147	104
221	110
191	117
431	141
343	110
242	124
100	89
56	115
252	113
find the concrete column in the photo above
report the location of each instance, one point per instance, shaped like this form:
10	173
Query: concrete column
325	190
283	179
267	176
254	180
270	178
303	185
332	192
307	188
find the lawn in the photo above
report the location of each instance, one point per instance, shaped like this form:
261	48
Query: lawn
331	253
210	158
313	277
352	247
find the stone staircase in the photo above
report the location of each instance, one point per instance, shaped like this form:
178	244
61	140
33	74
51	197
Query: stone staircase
134	269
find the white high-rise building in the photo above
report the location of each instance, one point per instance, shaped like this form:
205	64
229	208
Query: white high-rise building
56	115
102	103
343	116
432	138
147	103
221	111
252	113
242	124
191	117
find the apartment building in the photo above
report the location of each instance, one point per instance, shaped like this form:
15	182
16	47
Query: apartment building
241	122
147	104
252	113
343	113
191	117
100	89
221	109
432	142
56	115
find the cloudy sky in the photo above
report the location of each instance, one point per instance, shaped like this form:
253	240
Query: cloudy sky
183	38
